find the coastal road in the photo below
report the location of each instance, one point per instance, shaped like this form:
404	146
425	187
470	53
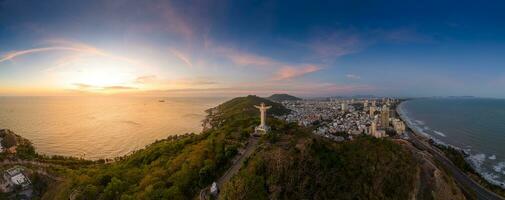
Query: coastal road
237	164
251	146
461	178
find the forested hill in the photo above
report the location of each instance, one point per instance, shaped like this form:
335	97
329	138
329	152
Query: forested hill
245	106
283	97
174	168
289	163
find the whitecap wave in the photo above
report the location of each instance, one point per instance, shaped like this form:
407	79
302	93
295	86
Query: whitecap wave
499	167
477	160
439	133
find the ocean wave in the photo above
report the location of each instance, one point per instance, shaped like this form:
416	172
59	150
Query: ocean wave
476	160
439	133
415	126
499	167
419	122
493	179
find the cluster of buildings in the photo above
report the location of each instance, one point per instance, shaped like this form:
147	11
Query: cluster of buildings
15	179
339	119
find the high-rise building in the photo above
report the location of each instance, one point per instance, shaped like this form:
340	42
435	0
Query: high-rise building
373	128
344	106
399	126
372	111
385	117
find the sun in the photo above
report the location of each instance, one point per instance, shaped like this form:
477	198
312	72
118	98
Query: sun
97	74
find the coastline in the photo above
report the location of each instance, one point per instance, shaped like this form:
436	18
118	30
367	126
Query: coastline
436	142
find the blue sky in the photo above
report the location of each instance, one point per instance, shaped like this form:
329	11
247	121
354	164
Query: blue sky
226	48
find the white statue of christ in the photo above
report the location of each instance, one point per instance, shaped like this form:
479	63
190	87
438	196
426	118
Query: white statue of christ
263	114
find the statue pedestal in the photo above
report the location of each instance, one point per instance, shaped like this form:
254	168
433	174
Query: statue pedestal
261	130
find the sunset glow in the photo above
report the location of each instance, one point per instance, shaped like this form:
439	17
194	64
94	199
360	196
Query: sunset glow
224	48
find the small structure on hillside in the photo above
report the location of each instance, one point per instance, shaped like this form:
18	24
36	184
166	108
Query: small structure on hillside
14	177
262	128
1	147
214	190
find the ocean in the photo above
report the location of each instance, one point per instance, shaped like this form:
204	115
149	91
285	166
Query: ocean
100	127
475	125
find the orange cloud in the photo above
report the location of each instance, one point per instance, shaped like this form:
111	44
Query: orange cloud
112	88
292	72
244	58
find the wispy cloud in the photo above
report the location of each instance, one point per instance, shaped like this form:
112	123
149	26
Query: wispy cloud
119	87
244	58
182	57
334	44
145	79
94	88
268	88
14	54
402	35
62	45
179	82
353	76
83	86
290	72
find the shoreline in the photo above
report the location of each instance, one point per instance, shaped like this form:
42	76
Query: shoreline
416	130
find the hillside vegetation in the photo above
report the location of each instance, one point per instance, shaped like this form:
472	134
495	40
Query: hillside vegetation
173	168
283	97
302	167
290	163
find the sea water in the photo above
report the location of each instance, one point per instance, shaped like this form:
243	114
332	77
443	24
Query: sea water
100	127
475	125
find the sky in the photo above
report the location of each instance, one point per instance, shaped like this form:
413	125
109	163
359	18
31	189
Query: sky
228	48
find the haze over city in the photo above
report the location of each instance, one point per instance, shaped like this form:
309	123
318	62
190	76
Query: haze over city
229	48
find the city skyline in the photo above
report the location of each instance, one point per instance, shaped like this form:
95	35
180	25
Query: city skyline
221	48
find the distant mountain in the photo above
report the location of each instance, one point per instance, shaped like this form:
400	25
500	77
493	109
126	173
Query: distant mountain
283	97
